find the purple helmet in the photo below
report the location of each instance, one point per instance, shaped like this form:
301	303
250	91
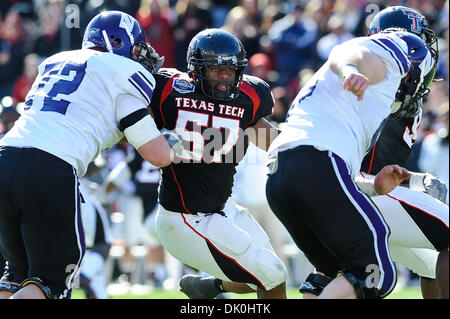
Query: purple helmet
415	85
119	33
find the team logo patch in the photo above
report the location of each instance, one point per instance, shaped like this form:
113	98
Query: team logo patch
183	86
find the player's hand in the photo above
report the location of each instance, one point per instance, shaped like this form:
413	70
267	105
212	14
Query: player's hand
389	178
434	187
174	140
356	83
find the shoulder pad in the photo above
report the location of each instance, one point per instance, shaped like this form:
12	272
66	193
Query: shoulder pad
260	86
168	72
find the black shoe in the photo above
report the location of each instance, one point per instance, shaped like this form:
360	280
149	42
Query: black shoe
198	287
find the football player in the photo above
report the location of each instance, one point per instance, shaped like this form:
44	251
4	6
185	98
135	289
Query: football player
98	242
215	109
418	222
139	209
82	102
332	123
404	206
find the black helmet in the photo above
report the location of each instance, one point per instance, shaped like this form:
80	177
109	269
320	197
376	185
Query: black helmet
407	19
216	47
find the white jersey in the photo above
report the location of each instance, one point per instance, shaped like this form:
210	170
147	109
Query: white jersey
80	104
329	118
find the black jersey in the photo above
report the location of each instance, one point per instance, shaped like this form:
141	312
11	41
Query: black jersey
213	138
393	146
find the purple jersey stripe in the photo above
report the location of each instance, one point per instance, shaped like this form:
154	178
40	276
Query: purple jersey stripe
143	84
378	223
80	234
80	222
397	53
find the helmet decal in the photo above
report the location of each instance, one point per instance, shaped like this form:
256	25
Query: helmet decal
127	23
416	18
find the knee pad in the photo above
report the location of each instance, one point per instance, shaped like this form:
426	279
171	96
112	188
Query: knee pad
314	284
272	268
38	282
9	287
361	289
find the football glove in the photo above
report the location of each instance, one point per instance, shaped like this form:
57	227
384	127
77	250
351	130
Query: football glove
429	184
434	187
173	139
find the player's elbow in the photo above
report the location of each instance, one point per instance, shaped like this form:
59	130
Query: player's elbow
157	152
160	160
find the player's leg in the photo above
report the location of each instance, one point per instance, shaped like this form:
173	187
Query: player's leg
343	218
442	274
132	209
421	261
92	276
11	244
156	261
368	265
51	227
429	288
325	263
418	220
216	245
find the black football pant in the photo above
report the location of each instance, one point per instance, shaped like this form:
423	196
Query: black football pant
337	227
41	233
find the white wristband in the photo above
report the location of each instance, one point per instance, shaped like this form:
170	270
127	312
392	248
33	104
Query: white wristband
142	131
366	186
416	182
346	70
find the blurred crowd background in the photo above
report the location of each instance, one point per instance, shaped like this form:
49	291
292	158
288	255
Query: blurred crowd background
286	42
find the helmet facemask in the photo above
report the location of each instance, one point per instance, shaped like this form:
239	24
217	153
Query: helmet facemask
216	48
414	87
144	53
199	68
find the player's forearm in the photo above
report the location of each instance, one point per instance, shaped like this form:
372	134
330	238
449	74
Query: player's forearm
157	151
342	60
384	182
262	134
348	58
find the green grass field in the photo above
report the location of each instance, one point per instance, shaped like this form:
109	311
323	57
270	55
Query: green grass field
292	293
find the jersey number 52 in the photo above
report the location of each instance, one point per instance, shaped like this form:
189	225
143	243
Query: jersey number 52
56	82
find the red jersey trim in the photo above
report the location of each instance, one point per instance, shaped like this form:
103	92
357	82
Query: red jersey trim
228	257
206	239
179	188
423	211
168	88
248	90
371	158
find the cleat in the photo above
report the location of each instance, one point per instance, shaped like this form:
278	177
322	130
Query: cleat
198	287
